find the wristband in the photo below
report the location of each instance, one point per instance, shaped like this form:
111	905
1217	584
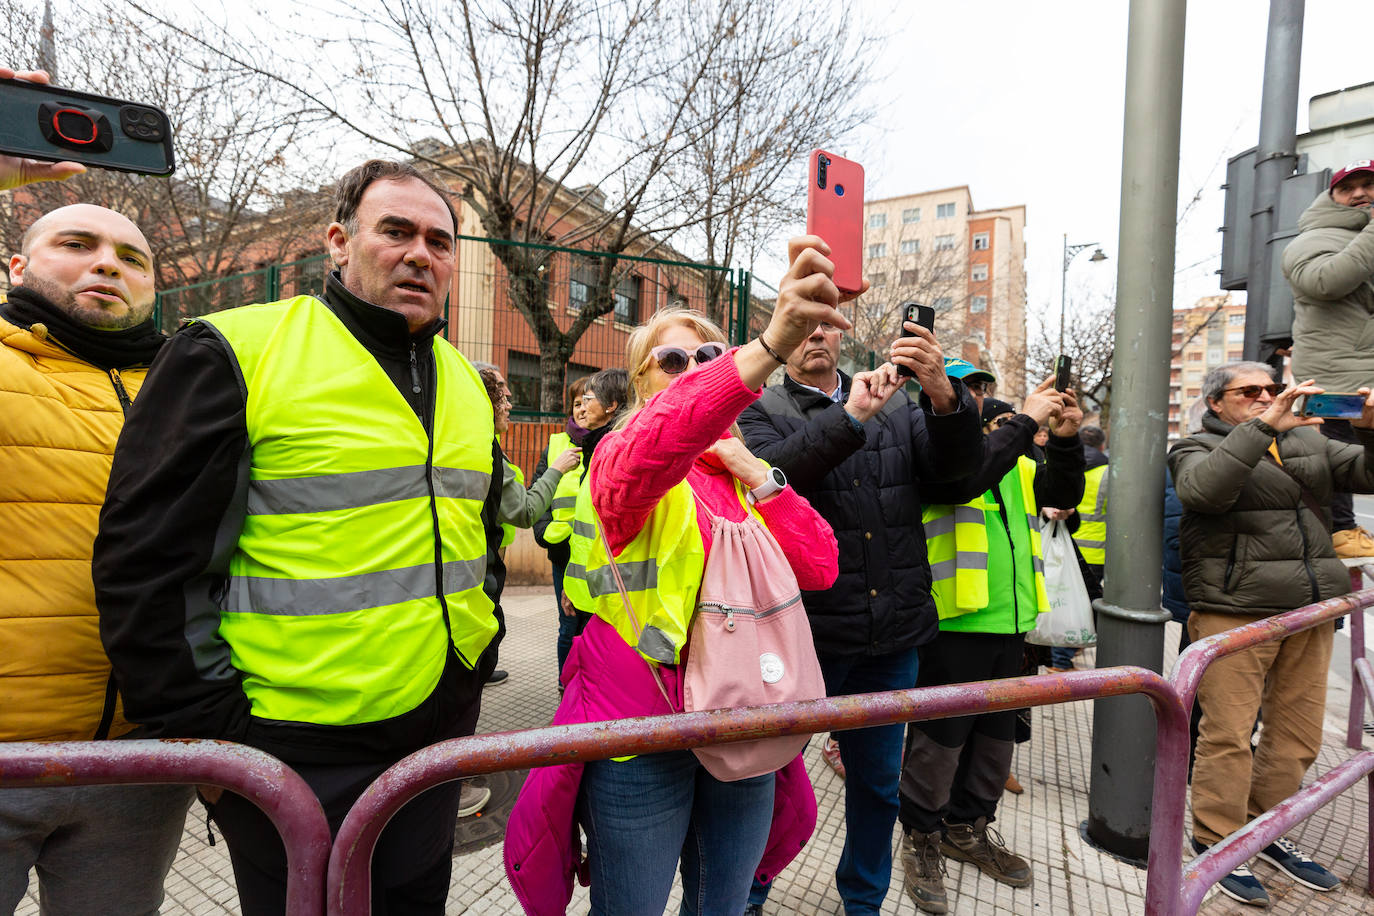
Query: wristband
771	352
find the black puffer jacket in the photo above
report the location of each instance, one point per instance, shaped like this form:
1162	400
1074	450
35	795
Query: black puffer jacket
863	482
1250	544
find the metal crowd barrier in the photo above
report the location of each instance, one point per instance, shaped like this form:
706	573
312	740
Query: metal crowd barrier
337	879
261	778
1173	890
349	886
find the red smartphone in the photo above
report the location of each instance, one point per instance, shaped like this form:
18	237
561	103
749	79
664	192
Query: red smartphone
835	212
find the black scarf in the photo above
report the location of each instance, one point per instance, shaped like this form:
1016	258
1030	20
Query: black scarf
135	346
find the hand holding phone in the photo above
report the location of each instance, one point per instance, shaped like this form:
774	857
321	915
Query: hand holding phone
835	212
922	315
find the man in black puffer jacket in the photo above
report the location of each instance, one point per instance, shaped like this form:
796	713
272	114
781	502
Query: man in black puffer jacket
856	448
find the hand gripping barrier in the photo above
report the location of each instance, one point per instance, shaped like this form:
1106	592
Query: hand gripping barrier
349	885
262	779
1178	891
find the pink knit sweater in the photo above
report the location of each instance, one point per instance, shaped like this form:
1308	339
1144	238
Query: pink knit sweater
666	442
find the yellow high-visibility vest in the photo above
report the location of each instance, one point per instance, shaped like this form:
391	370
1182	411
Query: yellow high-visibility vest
362	554
565	496
1092	513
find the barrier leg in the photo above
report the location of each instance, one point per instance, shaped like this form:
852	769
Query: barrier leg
1354	733
1167	807
1369	840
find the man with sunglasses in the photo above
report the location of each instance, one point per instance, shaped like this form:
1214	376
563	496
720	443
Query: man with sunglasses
1330	266
1256	486
856	448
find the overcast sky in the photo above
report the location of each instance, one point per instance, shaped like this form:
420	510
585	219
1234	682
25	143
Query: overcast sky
1023	102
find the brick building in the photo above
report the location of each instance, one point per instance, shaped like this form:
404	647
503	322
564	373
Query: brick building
1209	334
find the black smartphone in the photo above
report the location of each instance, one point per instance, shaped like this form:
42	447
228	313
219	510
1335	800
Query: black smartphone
1334	405
58	125
923	315
1063	365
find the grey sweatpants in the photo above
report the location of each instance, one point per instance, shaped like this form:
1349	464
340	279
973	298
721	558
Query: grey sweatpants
98	849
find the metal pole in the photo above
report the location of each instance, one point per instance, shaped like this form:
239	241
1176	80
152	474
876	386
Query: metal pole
1275	159
1063	293
1130	619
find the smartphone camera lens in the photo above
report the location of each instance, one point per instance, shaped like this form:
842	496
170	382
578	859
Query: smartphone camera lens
821	163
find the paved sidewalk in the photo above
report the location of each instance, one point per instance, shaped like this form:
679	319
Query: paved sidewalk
1043	824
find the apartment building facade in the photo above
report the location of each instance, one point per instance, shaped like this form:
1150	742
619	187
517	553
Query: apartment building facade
935	248
1209	334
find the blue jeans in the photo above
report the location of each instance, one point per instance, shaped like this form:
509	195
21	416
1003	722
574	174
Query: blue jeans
873	765
642	815
1062	656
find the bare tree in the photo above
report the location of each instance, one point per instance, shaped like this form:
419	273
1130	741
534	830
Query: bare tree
932	275
237	150
1090	339
576	123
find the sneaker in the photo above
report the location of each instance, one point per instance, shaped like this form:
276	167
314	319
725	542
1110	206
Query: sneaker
472	799
830	752
923	869
497	677
980	844
1240	884
753	909
1285	855
1352	543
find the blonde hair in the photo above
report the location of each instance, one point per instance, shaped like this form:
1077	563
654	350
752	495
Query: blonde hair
645	337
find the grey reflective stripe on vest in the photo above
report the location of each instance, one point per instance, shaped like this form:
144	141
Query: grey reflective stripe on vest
655	644
1033	520
1090	545
355	489
640	576
563	502
1038	565
584	529
945	569
311	597
963	515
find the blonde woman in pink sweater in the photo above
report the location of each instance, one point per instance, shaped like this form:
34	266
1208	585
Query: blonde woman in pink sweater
650	816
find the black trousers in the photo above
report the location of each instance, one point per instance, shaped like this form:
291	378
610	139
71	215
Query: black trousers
956	769
411	867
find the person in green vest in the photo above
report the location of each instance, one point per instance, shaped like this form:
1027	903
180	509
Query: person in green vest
298	549
521	507
983	540
601	399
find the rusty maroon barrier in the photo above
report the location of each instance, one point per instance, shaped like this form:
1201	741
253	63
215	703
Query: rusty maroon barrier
261	778
1173	890
349	881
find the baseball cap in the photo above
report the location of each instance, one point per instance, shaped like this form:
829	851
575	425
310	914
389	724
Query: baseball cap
1359	165
963	369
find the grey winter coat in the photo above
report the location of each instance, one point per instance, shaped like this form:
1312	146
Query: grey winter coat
1330	266
1249	542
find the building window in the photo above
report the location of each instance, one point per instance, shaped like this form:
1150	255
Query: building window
878	251
943	304
944	242
627	300
909	276
911	215
911	246
1237	319
944	211
944	272
877	280
584	276
877	220
1214	356
980	241
978	304
979	273
522	376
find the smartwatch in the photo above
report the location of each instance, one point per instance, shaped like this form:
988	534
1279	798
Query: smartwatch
775	482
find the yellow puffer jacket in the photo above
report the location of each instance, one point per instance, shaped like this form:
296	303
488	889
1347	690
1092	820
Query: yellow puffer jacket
59	419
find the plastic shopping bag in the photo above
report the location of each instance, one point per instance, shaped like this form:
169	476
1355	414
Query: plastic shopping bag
1069	621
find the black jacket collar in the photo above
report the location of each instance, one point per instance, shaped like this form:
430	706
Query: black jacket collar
122	349
380	330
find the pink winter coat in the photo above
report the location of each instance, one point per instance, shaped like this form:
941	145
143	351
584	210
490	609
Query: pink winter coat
605	678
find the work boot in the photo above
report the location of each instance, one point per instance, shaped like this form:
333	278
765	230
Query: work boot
924	870
980	844
1014	785
1352	543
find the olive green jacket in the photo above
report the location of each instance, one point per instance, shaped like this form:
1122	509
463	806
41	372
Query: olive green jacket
1330	266
1248	540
